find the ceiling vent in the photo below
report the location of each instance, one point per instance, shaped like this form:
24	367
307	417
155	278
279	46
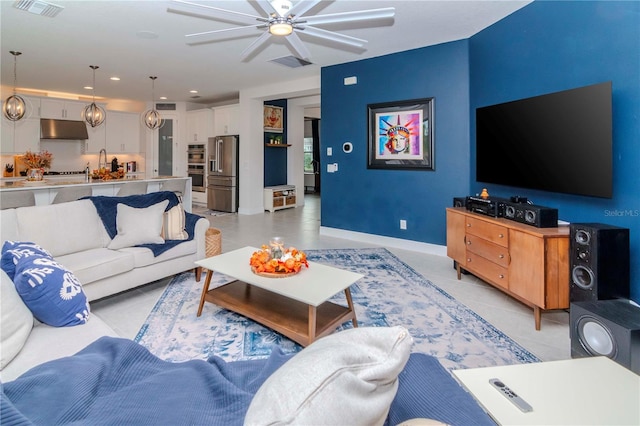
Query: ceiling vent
291	62
166	107
38	7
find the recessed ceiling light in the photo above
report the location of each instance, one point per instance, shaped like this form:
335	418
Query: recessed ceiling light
115	79
193	91
88	87
164	98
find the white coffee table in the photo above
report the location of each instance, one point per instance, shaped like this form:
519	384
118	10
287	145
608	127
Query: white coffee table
581	391
295	306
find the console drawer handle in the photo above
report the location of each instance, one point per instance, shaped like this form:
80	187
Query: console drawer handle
500	235
501	276
501	256
468	260
468	225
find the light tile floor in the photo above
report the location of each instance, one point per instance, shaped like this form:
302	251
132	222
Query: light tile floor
299	227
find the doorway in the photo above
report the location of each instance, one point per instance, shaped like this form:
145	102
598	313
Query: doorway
311	155
164	163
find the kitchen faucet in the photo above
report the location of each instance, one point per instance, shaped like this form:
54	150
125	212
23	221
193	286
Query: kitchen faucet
102	165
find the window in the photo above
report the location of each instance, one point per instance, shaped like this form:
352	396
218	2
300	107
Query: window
308	155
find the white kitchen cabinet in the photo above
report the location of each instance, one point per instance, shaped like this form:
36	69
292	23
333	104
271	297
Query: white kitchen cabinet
97	139
62	109
20	136
122	132
199	125
226	120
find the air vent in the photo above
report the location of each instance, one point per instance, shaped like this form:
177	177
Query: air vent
291	62
38	7
166	107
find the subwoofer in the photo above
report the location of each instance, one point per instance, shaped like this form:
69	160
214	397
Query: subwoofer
599	262
608	328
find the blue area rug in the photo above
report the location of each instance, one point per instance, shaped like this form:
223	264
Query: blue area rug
391	293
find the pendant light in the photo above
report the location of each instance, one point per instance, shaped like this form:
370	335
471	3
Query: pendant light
151	117
94	114
14	106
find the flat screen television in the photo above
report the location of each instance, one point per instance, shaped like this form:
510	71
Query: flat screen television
558	142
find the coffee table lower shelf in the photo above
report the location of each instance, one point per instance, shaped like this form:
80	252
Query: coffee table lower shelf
298	321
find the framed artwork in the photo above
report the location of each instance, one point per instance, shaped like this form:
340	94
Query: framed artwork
401	135
273	120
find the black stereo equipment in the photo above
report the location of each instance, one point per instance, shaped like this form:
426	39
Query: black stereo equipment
459	201
608	328
599	262
490	206
530	214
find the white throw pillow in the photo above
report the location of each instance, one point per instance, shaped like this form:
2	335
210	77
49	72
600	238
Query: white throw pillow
137	226
347	378
16	321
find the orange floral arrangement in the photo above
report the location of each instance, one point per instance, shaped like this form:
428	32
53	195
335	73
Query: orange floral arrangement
291	260
41	160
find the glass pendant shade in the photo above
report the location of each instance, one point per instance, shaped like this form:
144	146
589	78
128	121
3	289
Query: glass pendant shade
152	118
94	114
14	107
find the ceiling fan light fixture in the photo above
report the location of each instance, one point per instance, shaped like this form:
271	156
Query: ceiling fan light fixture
281	27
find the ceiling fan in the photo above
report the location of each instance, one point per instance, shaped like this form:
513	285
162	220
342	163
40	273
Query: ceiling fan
284	19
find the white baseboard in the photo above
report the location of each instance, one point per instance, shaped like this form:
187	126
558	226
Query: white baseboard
380	240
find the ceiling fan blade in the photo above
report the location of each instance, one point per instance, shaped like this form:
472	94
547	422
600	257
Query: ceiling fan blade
255	45
333	36
361	15
302	7
266	6
227	32
298	46
215	13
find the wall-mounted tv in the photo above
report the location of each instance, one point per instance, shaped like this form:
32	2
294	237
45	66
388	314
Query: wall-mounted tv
558	142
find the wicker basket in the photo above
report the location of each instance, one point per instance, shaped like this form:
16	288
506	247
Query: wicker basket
213	242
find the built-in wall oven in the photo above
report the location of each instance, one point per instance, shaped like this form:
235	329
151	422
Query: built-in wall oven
196	167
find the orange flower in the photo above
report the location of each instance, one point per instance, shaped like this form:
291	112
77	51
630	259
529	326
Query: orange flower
291	261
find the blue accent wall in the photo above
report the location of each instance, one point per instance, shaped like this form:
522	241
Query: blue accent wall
374	201
550	46
544	47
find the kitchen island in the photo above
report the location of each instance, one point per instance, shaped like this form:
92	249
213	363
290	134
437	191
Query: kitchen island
46	190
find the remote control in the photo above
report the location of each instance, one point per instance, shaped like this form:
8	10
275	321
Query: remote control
511	395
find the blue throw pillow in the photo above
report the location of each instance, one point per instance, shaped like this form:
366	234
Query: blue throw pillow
52	293
13	251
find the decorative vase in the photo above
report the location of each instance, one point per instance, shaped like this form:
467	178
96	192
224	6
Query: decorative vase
35	174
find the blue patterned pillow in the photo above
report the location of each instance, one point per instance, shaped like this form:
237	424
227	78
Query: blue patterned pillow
53	294
12	251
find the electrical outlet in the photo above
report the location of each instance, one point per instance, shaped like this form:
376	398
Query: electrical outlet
329	151
403	224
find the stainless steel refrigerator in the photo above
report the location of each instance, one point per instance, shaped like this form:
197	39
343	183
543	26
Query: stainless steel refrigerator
222	174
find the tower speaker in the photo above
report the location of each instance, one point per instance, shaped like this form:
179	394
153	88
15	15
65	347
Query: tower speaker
608	328
599	262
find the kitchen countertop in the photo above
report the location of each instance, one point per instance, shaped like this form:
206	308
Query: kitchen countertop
58	181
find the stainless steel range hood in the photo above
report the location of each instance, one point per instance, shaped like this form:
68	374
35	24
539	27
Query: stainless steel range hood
63	129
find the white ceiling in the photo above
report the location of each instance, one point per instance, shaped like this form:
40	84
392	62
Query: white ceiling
57	52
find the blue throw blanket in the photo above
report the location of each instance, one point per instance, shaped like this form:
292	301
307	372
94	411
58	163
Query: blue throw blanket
117	381
107	208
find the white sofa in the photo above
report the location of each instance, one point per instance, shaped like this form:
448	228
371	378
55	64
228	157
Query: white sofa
77	239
